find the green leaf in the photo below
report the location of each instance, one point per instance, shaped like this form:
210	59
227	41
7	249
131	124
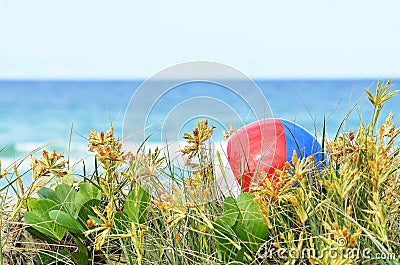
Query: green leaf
226	250
87	192
72	201
87	209
35	233
230	214
44	258
96	219
66	220
252	228
81	246
230	204
46	193
241	223
66	195
68	179
136	205
52	257
40	220
230	217
240	255
121	222
30	203
80	258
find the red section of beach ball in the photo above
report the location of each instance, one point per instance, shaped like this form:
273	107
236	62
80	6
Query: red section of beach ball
265	146
256	147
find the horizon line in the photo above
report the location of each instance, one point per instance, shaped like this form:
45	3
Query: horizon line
106	79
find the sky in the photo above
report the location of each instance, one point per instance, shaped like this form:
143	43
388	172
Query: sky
127	39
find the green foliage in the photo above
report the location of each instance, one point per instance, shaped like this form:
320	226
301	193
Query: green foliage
52	257
67	221
123	214
41	221
382	94
136	205
59	211
136	210
242	227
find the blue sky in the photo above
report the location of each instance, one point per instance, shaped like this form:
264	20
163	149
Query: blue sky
135	39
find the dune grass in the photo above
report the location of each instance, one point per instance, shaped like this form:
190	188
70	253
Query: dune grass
345	211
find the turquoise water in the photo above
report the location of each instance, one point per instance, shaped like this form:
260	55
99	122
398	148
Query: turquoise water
34	113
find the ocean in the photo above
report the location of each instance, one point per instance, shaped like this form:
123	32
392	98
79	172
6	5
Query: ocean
42	113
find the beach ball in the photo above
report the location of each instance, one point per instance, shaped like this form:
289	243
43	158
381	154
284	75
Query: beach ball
265	145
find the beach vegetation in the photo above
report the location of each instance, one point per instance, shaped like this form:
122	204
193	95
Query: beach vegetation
345	210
